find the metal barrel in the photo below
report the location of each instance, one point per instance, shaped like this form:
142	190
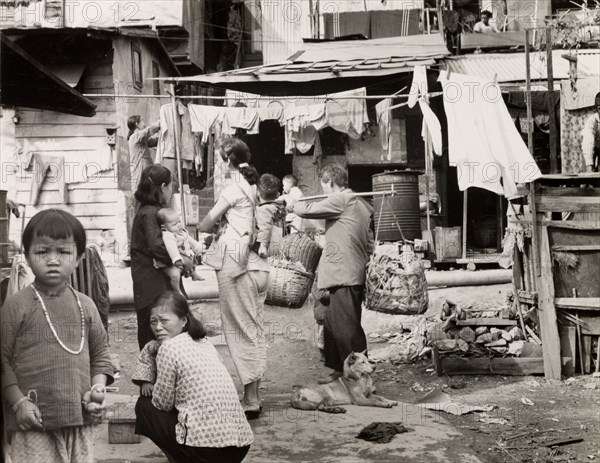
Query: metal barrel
400	210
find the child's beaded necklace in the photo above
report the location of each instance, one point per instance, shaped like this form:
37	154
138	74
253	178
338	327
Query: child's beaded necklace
71	351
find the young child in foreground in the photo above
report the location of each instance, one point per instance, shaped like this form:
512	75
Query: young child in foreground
182	248
55	359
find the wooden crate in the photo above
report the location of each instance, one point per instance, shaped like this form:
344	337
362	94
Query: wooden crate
448	242
122	431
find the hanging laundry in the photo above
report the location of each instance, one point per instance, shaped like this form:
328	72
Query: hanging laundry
51	168
356	108
305	138
419	90
273	112
240	118
203	118
338	119
385	128
418	87
483	142
318	152
432	125
302	124
166	141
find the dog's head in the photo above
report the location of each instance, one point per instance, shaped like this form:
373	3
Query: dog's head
357	364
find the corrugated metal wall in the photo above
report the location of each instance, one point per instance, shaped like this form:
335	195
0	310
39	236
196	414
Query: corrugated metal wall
286	22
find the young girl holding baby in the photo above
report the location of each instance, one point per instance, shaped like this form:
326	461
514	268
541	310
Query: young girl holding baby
54	350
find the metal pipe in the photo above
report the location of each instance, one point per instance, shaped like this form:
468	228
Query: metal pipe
434	279
462	278
125	297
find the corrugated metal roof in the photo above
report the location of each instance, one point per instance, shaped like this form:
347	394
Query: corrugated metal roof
510	67
322	62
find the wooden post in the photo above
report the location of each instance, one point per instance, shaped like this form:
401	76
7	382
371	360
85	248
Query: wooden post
178	150
551	104
547	312
534	232
311	16
528	93
318	19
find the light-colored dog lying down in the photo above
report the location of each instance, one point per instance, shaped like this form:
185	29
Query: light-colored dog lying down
354	387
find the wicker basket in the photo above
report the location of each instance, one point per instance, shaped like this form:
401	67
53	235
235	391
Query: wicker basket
392	289
288	286
299	247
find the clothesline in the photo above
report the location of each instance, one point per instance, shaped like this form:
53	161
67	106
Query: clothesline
265	98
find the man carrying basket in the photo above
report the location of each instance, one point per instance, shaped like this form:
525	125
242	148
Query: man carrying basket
341	277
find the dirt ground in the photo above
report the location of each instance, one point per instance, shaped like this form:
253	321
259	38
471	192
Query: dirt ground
512	431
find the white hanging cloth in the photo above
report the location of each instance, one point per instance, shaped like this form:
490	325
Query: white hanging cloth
431	124
483	142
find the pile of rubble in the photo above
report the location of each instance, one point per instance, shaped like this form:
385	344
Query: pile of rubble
481	332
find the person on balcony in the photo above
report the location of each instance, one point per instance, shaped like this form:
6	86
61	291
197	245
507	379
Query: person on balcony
484	26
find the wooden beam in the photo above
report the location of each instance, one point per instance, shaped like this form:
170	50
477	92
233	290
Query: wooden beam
577	247
572	224
579	303
567	204
547	311
493	366
569	191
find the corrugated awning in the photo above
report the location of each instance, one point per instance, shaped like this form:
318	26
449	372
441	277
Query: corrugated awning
26	82
332	66
510	67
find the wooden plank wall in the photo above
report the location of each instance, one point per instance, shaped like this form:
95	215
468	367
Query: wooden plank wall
82	142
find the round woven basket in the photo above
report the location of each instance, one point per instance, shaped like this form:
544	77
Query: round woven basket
299	247
288	286
391	289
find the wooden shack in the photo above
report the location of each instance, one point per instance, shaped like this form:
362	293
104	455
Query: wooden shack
78	163
564	269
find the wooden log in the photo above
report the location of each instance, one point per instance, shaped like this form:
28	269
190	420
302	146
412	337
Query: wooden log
493	366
